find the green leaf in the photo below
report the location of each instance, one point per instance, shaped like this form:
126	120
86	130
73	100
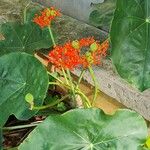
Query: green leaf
24	38
102	14
148	143
130	34
88	129
20	74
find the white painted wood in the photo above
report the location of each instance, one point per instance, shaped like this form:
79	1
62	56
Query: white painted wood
79	9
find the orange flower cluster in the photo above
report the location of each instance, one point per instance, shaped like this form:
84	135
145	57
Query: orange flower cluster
84	42
65	56
47	15
94	55
69	56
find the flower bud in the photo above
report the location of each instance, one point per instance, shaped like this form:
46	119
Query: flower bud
76	44
30	99
88	54
48	12
53	13
89	57
93	47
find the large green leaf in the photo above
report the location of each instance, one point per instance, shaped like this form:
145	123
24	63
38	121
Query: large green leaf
130	34
102	14
88	129
20	74
24	38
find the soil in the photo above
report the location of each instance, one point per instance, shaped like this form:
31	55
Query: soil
14	137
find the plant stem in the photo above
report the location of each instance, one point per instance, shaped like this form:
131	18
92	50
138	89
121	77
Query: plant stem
80	78
59	84
50	105
88	104
25	13
95	84
21	126
51	35
71	84
64	74
56	78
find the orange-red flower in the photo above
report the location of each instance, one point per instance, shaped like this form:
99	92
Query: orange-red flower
46	16
65	56
94	55
84	42
69	56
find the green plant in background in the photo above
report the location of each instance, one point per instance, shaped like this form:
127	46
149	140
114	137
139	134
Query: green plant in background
130	42
102	14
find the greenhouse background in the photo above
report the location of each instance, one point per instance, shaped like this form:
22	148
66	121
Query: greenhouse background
74	74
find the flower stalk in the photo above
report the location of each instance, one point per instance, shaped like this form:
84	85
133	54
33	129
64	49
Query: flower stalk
95	85
34	124
65	75
25	13
80	78
51	35
71	85
50	105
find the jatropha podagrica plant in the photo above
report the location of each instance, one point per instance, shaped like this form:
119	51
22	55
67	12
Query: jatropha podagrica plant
66	58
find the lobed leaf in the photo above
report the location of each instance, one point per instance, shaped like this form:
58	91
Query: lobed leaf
24	38
88	129
20	74
130	34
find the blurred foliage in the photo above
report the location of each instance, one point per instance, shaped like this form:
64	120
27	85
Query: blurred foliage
102	14
130	42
